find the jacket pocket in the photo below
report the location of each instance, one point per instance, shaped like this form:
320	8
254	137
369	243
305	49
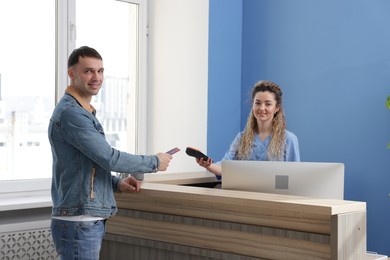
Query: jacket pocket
92	193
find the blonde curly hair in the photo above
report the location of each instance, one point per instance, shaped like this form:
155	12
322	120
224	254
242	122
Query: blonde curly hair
278	136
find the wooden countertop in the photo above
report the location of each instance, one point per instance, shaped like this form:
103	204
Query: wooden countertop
184	178
175	183
171	194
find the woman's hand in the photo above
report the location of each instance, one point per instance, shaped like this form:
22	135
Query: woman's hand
204	163
210	166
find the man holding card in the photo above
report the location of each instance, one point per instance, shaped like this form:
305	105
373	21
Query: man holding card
82	184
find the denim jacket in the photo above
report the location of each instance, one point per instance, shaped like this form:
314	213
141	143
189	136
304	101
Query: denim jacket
82	183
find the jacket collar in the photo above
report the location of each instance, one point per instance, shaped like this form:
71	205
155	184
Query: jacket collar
73	92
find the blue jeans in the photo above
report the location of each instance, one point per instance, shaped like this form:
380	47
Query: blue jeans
78	239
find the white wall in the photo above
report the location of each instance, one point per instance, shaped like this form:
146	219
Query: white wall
177	78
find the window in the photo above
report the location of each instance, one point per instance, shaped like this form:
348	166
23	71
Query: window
27	87
34	52
116	40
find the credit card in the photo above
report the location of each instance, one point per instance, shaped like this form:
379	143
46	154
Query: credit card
173	151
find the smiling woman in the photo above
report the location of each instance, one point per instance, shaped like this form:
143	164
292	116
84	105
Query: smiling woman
265	137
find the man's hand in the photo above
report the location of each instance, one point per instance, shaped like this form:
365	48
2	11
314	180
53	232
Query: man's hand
129	184
164	158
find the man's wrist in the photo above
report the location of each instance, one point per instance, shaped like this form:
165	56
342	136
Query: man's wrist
157	164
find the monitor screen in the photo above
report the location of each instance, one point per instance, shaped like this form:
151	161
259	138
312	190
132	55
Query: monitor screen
309	179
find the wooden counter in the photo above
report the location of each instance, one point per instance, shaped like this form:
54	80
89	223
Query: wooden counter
168	220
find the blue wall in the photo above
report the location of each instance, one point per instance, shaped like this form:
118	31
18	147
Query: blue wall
332	59
224	103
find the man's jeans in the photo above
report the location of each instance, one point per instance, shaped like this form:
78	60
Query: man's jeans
78	239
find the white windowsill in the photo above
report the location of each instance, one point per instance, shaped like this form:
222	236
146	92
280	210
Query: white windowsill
16	203
26	194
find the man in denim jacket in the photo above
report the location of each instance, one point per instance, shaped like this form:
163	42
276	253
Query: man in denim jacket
82	185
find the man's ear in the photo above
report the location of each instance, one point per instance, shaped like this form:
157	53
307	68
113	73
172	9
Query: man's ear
70	73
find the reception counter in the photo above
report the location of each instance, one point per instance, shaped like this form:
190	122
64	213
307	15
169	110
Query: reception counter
183	216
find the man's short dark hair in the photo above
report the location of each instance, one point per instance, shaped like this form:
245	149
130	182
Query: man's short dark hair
83	51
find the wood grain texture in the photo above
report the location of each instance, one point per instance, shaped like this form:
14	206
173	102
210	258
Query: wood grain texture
202	223
282	211
232	241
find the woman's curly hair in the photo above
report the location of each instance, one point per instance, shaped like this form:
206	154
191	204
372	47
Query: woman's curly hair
278	136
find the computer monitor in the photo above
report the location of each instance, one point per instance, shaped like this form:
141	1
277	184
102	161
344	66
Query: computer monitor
309	179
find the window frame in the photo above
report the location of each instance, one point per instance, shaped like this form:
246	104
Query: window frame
65	43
